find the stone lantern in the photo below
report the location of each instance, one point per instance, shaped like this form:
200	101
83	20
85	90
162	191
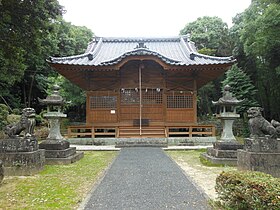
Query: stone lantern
54	103
58	150
227	113
224	151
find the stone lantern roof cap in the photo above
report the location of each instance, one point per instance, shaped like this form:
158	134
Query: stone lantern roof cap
54	98
228	98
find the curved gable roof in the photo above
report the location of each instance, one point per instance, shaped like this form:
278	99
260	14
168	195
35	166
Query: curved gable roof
111	51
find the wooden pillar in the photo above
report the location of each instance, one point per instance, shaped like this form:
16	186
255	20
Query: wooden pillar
195	100
87	108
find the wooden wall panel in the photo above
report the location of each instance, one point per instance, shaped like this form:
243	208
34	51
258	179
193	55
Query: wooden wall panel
101	116
180	115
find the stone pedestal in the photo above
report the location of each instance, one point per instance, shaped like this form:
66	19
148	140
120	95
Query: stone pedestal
260	154
227	120
59	152
223	153
21	156
259	161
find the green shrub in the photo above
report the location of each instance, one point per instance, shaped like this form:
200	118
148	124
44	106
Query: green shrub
4	112
13	118
248	190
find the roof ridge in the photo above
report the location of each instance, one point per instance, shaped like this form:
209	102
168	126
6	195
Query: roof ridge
138	39
140	51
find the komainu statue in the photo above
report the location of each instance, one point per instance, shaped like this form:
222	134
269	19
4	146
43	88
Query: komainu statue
26	124
258	125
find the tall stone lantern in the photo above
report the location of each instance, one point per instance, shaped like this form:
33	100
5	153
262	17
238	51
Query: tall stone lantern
227	113
54	103
58	150
224	151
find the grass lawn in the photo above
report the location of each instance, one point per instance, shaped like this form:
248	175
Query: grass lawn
56	187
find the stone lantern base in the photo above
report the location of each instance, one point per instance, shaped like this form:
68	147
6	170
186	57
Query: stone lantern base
59	152
223	153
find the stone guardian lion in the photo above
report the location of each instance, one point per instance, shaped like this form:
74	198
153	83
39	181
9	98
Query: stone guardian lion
26	124
258	125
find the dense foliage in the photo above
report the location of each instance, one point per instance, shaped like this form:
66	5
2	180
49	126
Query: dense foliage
241	87
255	42
30	32
210	35
257	48
248	190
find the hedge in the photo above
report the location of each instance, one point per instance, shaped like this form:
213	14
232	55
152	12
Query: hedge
248	190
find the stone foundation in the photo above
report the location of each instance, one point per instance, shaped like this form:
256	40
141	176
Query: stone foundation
54	144
261	144
18	144
59	152
23	163
223	153
260	154
259	161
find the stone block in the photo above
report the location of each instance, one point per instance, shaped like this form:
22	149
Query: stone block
259	161
23	163
221	145
222	153
261	144
219	160
18	145
54	144
65	161
60	153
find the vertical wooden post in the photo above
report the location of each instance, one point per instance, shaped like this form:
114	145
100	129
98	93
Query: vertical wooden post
69	132
87	108
141	66
195	100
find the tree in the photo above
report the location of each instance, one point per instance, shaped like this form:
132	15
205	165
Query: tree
210	34
70	40
24	41
242	88
258	50
31	33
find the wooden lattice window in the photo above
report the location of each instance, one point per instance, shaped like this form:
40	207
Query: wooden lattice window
179	101
151	96
103	102
130	96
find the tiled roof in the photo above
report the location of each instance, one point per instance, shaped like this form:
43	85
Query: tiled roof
110	51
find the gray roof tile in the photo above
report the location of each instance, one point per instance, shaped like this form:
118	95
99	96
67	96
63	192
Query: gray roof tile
179	51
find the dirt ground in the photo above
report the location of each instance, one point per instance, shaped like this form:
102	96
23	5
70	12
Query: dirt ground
204	177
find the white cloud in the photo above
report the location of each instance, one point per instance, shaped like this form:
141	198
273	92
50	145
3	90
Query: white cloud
146	17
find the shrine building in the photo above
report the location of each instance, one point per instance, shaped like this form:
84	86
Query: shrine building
141	87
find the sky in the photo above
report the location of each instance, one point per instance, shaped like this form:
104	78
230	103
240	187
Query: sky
146	18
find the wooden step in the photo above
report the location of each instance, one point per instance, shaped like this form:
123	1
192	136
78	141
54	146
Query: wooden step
145	132
141	142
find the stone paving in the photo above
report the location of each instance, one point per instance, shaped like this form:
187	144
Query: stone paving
145	178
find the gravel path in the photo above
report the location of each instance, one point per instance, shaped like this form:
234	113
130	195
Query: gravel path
145	178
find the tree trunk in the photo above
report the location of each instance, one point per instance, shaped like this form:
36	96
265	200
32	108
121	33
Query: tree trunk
30	89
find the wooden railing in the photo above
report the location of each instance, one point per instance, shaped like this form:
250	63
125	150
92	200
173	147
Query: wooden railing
83	131
191	131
